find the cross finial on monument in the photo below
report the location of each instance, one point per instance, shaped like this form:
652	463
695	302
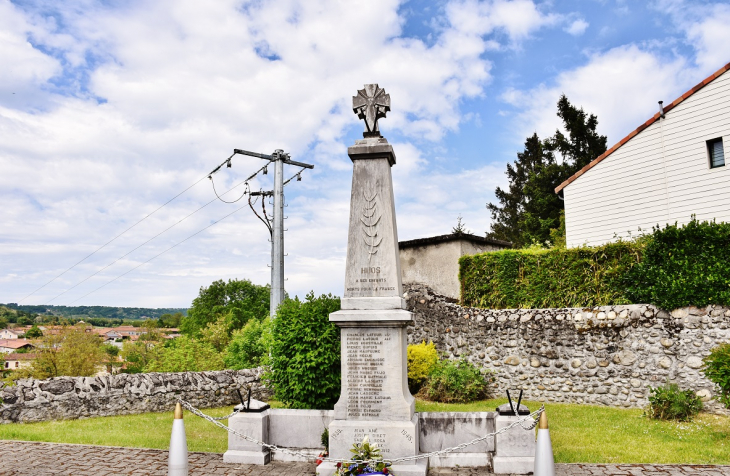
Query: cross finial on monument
371	104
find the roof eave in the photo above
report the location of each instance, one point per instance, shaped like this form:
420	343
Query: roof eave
651	121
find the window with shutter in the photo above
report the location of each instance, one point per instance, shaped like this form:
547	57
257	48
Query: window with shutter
716	153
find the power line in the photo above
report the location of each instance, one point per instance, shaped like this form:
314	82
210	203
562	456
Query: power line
245	181
122	233
157	255
141	245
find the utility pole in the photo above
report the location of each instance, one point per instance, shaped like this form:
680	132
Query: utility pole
277	236
279	157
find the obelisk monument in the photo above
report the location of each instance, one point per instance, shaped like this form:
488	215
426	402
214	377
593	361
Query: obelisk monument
375	400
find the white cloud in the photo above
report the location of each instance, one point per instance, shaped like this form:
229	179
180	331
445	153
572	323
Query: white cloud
518	19
709	34
577	27
139	102
620	86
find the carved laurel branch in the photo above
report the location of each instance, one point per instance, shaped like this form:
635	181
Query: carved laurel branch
370	219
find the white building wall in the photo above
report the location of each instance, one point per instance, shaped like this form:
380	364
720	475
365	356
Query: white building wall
660	176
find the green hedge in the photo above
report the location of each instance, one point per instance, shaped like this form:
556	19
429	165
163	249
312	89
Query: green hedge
675	266
576	277
684	266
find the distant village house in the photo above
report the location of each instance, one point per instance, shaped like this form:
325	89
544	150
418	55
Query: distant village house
8	346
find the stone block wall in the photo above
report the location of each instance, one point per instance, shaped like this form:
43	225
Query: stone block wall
63	398
608	355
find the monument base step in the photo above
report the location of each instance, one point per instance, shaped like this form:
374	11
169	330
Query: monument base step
465	460
513	464
247	457
312	453
416	468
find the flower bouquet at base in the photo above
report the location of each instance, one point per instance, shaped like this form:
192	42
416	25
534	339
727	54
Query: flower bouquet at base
366	460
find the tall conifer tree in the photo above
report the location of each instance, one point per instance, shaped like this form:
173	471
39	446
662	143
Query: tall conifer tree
529	209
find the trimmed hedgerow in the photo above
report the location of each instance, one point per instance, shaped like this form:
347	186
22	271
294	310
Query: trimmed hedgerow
558	277
684	266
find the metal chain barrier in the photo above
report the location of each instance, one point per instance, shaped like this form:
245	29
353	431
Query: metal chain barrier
532	417
225	417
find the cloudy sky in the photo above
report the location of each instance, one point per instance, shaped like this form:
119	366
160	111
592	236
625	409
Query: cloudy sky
110	109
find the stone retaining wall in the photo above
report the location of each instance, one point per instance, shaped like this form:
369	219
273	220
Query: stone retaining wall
81	397
609	355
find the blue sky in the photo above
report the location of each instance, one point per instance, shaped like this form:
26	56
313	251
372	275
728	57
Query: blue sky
107	112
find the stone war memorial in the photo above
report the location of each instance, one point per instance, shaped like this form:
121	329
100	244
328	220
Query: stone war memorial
375	401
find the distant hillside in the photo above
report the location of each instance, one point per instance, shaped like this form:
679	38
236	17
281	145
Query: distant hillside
81	312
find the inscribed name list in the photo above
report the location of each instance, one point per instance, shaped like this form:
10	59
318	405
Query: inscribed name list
366	374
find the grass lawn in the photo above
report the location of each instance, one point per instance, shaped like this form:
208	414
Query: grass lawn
580	433
594	434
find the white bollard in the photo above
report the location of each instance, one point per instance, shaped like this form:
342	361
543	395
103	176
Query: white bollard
177	464
544	461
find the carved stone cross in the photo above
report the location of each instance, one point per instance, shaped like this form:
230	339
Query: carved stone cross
371	104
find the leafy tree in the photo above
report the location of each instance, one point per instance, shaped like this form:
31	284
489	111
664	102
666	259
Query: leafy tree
24	321
305	353
111	360
240	299
250	346
72	352
217	334
529	209
170	320
34	332
3	322
184	354
137	355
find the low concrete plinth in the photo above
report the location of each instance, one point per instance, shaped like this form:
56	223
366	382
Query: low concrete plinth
441	430
298	430
255	425
514	449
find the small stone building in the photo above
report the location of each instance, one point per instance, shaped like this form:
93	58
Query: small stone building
434	261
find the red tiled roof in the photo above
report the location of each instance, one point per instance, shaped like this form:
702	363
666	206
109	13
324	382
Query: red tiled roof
651	121
14	343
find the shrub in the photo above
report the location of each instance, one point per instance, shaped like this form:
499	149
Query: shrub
421	360
539	278
305	353
684	266
717	370
670	403
457	381
184	354
249	347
